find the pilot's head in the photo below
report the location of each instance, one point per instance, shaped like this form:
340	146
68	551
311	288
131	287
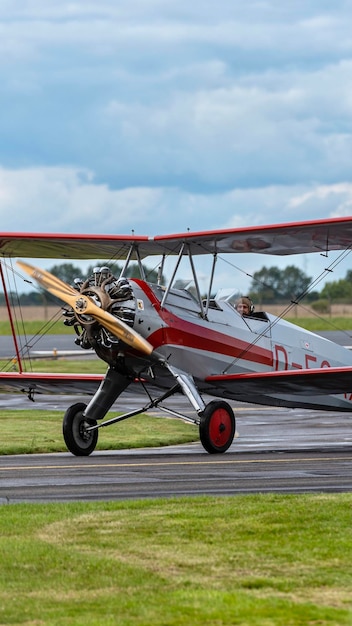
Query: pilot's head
244	306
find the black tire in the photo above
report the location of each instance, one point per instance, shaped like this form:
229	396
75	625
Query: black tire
77	439
217	427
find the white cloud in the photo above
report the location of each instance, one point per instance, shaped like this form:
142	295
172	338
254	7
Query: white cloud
66	199
161	116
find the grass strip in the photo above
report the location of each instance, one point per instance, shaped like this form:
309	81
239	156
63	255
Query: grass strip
315	324
40	431
262	560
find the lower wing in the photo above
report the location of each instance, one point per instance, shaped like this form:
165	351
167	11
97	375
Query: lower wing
32	383
254	387
307	382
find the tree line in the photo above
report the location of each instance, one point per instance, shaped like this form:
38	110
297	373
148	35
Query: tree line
271	285
68	272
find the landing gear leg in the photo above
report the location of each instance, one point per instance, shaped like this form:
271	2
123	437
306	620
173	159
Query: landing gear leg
217	427
79	417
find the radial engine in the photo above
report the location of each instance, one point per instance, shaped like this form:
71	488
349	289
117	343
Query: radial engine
112	294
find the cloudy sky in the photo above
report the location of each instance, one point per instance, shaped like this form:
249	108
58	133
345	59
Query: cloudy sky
158	116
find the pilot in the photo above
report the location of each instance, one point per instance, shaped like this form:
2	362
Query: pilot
244	306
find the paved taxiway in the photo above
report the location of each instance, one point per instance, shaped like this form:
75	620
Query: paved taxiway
125	476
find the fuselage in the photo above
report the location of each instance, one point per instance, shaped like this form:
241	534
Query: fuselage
224	342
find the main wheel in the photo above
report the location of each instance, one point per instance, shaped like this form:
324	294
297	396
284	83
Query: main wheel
217	427
79	441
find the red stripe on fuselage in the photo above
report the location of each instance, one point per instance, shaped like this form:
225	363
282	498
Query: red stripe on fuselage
180	332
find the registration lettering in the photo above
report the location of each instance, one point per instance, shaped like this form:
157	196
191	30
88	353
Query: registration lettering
309	361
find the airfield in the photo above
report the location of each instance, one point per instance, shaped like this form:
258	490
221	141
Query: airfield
282	451
275	450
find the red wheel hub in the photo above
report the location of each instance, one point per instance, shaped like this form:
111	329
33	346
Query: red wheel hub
220	427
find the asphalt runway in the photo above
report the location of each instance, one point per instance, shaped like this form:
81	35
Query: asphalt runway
50	478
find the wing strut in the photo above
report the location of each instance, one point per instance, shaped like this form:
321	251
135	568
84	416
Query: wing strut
196	282
18	356
173	276
210	284
128	258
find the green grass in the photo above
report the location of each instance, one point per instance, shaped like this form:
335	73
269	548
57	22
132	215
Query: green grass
319	323
207	561
40	431
57	365
37	327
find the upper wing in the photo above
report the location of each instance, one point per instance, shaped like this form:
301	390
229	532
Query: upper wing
66	246
308	382
278	239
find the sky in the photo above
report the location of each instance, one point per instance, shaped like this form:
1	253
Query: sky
162	116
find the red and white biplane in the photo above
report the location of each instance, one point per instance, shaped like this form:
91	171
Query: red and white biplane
177	341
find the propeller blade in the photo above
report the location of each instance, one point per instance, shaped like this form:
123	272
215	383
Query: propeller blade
84	305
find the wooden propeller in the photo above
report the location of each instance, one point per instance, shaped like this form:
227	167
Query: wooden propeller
84	305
